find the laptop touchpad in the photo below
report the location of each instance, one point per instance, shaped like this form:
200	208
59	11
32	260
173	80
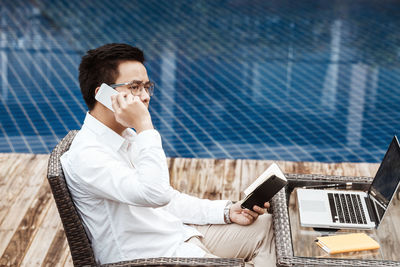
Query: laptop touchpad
313	206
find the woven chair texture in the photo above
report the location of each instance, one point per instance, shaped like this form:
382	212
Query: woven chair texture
78	241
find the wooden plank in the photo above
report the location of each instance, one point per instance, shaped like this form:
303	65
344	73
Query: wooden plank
215	179
179	172
206	178
19	174
232	179
16	209
43	239
388	229
59	251
201	180
19	243
345	169
7	182
68	261
195	177
8	162
394	208
177	168
13	180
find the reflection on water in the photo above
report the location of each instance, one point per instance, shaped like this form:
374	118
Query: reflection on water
290	80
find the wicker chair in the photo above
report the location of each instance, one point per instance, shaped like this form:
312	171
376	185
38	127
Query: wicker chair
79	243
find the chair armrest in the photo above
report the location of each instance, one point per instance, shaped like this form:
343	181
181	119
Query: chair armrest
233	262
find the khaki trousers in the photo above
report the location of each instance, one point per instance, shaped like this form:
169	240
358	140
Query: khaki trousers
254	243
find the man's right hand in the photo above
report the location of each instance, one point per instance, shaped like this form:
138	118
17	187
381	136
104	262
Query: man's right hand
131	112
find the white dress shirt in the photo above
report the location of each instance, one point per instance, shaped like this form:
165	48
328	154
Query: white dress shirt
120	186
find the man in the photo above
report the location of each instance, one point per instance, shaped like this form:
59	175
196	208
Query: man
119	179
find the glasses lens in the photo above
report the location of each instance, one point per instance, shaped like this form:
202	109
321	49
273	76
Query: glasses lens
149	87
136	86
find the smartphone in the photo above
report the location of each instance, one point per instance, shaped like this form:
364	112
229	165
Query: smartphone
104	95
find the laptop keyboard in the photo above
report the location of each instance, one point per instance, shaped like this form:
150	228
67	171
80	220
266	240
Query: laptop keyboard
346	208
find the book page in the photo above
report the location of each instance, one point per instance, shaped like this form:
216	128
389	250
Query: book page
271	170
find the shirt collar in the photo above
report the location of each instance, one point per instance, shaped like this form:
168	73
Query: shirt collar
108	136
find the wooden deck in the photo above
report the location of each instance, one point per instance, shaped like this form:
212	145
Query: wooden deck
31	232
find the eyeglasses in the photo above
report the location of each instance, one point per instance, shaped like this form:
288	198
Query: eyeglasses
136	87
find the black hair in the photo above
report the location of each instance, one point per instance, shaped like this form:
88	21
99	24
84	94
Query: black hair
100	65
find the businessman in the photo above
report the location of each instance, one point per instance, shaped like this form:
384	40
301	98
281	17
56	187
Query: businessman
119	180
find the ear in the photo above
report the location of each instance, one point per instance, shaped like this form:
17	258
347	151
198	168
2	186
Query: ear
97	89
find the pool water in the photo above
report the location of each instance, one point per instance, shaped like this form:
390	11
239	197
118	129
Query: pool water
279	80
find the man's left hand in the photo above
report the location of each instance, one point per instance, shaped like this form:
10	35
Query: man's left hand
246	216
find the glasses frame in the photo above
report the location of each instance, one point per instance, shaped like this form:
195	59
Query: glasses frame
140	84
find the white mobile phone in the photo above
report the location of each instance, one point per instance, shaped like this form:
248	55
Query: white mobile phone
104	95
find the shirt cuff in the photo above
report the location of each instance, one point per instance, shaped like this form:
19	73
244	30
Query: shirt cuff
216	215
148	138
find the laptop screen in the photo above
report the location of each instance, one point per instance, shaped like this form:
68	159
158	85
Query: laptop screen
387	177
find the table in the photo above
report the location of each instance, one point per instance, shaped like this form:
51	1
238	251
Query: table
295	244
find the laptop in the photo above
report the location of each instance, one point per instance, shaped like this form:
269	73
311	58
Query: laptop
338	209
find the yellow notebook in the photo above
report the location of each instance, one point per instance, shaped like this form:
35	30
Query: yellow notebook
346	243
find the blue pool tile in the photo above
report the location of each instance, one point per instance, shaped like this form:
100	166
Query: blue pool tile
283	80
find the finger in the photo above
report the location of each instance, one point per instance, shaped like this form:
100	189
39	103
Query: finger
267	205
129	99
251	213
248	217
121	100
259	210
137	99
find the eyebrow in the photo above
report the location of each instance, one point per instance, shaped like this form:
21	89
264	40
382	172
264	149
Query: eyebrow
138	81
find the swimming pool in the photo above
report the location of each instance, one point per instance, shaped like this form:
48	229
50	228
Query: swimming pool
281	80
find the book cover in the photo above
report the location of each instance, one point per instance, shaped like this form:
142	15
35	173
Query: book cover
347	243
264	187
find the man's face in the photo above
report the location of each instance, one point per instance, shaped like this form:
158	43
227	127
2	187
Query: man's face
133	71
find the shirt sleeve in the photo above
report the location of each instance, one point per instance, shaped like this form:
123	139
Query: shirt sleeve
194	210
104	175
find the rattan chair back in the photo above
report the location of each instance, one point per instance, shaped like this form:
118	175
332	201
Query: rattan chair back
79	243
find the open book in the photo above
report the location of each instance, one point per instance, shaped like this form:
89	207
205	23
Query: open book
264	187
